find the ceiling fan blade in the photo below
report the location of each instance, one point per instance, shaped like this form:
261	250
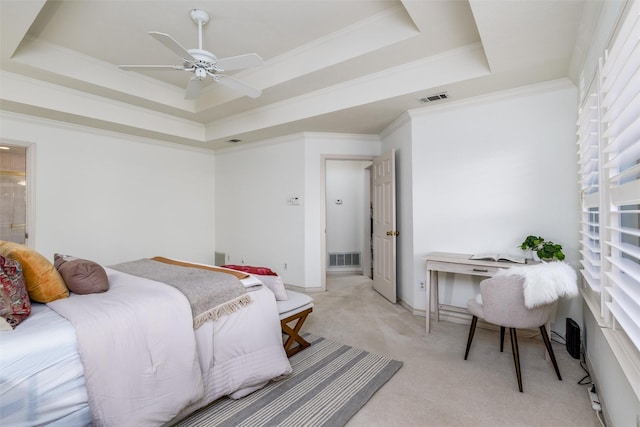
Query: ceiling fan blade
193	88
172	44
151	67
237	85
240	61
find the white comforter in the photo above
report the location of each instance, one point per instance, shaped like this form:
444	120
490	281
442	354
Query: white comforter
241	352
138	350
160	368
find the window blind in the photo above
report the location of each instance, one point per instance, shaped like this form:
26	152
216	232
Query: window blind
589	165
620	139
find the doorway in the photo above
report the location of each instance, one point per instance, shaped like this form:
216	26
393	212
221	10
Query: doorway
380	221
13	193
348	212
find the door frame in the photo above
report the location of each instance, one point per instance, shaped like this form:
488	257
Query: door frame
30	168
323	207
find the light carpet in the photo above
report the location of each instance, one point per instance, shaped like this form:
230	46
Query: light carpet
329	384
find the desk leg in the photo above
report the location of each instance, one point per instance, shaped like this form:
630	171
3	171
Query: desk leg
431	285
436	298
427	288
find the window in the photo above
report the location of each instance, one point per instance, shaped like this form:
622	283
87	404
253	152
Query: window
589	158
609	156
620	129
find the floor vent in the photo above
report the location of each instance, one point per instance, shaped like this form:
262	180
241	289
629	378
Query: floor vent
344	259
220	258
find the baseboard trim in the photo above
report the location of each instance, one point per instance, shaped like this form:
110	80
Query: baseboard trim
303	290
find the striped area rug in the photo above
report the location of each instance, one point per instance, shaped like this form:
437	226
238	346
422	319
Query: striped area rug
329	384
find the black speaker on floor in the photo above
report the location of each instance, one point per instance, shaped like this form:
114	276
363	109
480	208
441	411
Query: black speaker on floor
573	338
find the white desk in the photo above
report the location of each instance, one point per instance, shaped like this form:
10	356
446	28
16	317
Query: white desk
454	263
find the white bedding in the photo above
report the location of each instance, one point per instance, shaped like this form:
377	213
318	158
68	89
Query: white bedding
237	354
41	376
137	348
241	352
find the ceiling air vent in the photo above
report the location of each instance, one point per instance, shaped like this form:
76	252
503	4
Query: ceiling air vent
434	97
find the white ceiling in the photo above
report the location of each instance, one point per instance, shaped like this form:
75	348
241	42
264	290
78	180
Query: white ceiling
350	66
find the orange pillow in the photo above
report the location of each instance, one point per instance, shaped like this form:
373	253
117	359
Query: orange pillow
43	281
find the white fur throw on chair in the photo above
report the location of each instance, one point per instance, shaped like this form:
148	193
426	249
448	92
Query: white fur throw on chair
544	283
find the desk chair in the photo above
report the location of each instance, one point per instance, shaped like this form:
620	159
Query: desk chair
502	303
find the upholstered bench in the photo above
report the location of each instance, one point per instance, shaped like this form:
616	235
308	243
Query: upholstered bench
295	309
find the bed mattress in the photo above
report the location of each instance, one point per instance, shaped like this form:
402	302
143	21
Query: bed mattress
41	375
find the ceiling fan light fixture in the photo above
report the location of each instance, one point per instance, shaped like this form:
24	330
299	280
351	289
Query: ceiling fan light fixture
200	73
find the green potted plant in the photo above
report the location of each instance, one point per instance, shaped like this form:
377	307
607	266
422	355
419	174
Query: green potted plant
545	250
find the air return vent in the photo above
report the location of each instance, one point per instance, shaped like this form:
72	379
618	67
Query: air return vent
344	259
434	97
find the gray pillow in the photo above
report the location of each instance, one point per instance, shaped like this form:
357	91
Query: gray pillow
81	276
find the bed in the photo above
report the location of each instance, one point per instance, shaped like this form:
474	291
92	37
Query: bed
145	345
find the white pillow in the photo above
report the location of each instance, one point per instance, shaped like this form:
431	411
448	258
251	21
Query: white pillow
275	284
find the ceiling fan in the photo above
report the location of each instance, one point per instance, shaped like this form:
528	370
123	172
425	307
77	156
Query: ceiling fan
203	63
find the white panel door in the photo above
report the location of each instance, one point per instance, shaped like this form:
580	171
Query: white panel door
384	225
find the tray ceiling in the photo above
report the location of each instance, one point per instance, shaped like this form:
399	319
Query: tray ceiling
330	66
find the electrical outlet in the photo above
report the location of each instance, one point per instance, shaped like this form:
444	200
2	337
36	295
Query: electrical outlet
286	266
243	260
421	286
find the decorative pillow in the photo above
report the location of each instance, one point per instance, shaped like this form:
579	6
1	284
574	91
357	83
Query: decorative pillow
43	281
81	276
262	271
14	299
274	283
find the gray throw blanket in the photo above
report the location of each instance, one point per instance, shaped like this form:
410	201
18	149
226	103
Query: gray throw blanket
211	294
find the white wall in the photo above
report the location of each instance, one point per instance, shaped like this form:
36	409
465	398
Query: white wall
254	223
253	220
619	402
488	172
113	198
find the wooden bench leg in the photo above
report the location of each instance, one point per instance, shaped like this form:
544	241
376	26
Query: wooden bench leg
292	333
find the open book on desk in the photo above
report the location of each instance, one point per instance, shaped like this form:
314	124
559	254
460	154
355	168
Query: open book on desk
500	257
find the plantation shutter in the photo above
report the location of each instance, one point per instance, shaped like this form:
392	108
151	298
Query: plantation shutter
589	154
620	128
